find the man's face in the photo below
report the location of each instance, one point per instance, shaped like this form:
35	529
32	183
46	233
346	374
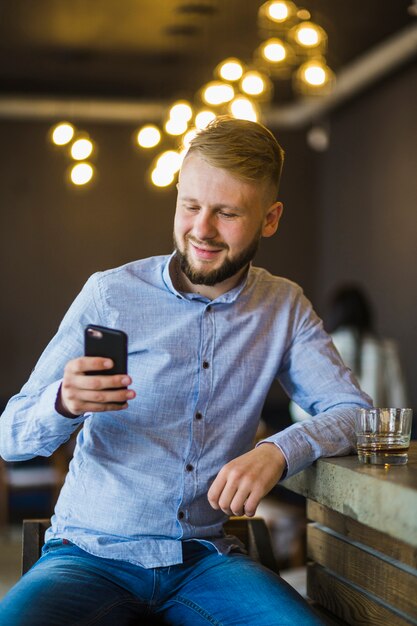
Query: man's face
219	220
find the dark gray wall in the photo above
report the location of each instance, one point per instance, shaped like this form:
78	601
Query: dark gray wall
367	209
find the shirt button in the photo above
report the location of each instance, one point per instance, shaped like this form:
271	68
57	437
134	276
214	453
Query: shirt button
189	467
205	364
181	514
208	308
198	416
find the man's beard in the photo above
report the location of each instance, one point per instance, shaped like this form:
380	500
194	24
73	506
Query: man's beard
229	267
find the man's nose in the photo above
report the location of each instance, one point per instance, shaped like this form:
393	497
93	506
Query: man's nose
204	226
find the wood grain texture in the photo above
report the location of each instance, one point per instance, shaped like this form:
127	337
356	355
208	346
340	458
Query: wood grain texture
394	548
350	604
370	571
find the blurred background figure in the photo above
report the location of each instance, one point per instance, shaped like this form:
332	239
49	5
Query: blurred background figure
374	360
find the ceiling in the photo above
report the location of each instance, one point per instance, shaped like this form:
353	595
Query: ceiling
162	49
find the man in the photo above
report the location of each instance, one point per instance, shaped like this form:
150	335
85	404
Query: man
137	529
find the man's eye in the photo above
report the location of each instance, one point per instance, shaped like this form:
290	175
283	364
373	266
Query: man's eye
228	215
192	208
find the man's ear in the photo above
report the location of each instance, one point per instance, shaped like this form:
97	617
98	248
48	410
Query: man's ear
271	219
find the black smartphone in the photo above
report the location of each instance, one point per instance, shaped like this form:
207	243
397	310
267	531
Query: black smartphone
109	343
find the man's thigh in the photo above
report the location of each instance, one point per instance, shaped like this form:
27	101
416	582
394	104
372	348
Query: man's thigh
233	590
67	587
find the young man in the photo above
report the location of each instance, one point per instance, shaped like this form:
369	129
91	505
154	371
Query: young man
137	529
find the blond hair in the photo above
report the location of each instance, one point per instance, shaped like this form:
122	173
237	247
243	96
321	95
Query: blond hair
248	150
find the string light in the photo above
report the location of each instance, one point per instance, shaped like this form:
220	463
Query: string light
62	133
203	119
181	110
243	108
293	46
273	50
81	173
81	149
230	69
176	126
216	93
148	136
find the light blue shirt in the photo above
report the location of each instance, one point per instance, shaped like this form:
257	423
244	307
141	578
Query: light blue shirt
137	484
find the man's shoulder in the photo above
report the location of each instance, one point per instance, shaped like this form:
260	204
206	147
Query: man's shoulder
140	268
262	278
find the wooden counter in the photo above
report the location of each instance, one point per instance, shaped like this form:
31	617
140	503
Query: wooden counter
362	539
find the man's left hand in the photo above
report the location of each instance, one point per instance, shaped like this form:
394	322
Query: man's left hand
242	483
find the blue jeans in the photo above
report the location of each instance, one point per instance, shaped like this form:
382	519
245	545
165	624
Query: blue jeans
68	586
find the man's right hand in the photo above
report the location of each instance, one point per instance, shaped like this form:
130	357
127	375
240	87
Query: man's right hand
80	393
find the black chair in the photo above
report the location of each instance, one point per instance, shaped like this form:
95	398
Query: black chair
253	533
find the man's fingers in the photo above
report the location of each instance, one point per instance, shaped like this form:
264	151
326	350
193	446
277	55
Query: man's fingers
81	381
228	495
80	393
215	491
252	503
243	482
88	364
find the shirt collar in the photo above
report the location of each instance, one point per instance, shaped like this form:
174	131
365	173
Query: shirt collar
228	297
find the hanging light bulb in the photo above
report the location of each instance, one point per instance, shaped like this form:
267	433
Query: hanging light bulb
273	50
309	36
181	110
203	119
313	77
230	69
148	136
242	108
176	126
161	178
253	83
81	149
62	133
81	173
169	161
277	11
188	137
216	93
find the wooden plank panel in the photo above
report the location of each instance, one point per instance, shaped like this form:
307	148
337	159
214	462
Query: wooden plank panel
355	607
369	571
345	525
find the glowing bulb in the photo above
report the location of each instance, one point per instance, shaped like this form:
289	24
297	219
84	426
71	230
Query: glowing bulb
188	137
161	178
148	136
274	50
81	173
176	126
218	93
315	75
308	35
242	108
181	111
81	149
169	161
203	119
231	69
253	84
62	133
278	11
